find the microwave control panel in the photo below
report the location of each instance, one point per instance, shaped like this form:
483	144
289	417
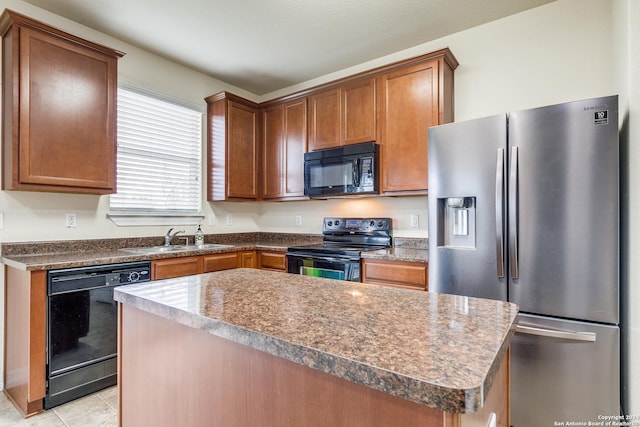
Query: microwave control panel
366	174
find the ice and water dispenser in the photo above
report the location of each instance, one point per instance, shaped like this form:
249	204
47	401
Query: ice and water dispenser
457	222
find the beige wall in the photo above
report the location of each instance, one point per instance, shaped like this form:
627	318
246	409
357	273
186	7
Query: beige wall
559	52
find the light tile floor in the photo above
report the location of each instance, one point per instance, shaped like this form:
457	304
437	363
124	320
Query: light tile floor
96	410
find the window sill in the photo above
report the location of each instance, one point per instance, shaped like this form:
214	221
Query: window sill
133	220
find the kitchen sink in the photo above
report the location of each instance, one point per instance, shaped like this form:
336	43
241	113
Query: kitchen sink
173	248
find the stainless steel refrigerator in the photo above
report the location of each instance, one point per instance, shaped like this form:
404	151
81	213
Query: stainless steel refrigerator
524	207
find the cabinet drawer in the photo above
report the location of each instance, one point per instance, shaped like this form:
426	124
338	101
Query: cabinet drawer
175	267
273	261
220	262
403	274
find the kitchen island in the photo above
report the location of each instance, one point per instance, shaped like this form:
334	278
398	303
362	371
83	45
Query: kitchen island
247	347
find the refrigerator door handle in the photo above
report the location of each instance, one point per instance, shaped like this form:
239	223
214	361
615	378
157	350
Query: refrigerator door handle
513	212
554	333
500	212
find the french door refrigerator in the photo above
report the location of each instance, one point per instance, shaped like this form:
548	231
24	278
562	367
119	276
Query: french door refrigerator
524	207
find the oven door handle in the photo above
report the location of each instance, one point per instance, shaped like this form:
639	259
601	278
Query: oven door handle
323	258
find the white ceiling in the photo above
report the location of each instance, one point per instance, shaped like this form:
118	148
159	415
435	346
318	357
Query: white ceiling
266	45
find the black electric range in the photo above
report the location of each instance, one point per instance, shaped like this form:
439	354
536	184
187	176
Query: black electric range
338	256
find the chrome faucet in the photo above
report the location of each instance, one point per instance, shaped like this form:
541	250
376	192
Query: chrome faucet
168	237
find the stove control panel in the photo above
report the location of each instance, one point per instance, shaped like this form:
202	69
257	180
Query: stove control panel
356	224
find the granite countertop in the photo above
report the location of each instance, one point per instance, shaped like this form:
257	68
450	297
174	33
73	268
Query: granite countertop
399	254
32	256
437	350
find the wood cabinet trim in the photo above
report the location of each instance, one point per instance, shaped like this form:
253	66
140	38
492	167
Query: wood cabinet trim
445	54
25	338
9	17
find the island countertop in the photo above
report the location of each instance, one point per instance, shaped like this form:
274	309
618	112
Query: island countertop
437	350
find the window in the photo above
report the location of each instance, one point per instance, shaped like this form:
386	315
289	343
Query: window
159	156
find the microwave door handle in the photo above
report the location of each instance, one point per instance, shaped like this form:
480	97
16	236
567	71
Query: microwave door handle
356	173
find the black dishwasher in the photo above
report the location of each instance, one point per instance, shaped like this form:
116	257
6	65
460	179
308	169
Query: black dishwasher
82	328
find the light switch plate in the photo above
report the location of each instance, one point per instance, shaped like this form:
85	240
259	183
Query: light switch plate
415	221
229	220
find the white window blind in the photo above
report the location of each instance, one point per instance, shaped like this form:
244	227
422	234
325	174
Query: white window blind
159	155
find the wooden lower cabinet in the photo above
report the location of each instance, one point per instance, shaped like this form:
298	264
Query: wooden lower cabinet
176	267
411	275
190	265
276	261
219	262
25	339
248	259
201	377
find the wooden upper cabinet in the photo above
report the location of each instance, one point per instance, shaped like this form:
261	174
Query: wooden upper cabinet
411	99
233	148
59	109
359	111
343	115
284	131
393	105
324	120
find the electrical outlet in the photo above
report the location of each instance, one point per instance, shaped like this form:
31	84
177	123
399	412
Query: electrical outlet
1	220
229	220
71	220
212	219
298	219
415	221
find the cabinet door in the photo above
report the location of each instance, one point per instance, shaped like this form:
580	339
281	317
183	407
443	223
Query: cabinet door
273	153
272	261
219	262
324	120
67	116
359	112
175	267
284	144
409	105
248	259
242	151
295	139
394	273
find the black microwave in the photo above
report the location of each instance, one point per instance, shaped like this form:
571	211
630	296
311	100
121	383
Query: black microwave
344	171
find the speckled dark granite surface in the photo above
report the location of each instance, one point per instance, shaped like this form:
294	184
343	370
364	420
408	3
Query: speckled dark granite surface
399	254
80	253
438	350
